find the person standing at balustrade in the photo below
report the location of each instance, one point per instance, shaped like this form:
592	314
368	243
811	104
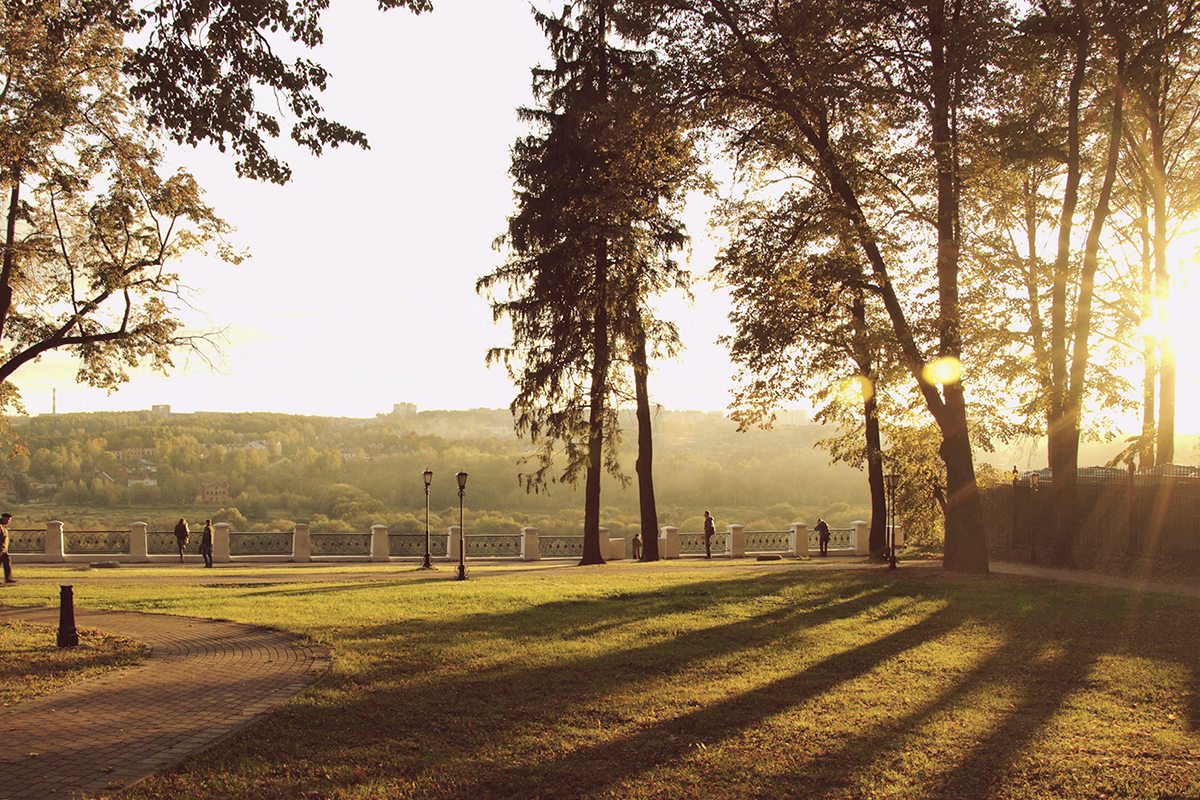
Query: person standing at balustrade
181	536
4	558
710	530
206	543
822	530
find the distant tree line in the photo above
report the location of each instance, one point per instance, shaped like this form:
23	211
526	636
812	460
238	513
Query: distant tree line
348	474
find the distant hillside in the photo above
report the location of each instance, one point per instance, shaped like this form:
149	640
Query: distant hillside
266	469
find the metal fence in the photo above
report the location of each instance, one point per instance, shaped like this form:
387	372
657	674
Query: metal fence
1145	515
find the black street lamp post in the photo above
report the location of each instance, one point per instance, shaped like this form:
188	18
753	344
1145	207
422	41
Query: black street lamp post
428	476
891	480
462	539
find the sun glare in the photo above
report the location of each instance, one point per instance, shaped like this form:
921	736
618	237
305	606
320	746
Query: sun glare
943	370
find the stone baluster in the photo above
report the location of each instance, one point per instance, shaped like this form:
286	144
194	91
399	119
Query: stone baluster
221	542
301	544
531	549
380	550
139	547
668	543
800	539
735	541
862	537
54	542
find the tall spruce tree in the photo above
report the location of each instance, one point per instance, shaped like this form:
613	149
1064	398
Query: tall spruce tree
591	236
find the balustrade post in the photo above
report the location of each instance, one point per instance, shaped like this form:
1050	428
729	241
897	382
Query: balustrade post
609	547
54	542
799	539
380	551
301	544
139	549
452	543
221	543
531	546
735	541
862	537
668	543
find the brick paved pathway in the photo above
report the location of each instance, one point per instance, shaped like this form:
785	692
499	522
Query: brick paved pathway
203	680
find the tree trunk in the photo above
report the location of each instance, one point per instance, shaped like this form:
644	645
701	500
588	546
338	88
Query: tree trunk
645	461
1149	360
877	541
966	546
1162	290
599	390
1062	429
10	248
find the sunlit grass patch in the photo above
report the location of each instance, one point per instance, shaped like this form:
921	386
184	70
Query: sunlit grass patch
32	664
683	681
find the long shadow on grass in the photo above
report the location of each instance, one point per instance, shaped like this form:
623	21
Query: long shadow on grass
501	711
426	723
1039	686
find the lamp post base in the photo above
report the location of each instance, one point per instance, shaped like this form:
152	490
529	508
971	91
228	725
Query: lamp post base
428	562
461	572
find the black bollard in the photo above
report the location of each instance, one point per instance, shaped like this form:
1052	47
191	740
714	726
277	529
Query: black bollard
67	635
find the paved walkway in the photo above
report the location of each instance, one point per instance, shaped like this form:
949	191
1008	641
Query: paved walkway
203	680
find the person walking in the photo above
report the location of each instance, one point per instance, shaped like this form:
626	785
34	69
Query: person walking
206	543
4	558
710	529
181	536
823	535
637	546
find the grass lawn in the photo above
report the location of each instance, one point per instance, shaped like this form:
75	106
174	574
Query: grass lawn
682	680
31	662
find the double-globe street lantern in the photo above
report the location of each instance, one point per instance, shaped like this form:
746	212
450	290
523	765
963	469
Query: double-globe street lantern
891	481
428	476
462	539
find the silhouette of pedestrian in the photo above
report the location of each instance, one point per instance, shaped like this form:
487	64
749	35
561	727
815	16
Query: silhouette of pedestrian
637	546
823	535
206	543
181	536
4	558
710	529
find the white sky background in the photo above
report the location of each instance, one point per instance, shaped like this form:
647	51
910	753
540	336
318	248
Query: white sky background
360	289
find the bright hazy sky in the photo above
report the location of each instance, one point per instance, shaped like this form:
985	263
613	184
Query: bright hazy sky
360	289
359	292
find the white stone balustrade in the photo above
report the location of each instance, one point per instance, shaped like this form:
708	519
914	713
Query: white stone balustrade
611	549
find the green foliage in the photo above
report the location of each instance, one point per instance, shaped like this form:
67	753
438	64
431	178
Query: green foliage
283	469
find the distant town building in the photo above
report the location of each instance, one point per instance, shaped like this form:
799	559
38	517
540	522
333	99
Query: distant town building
791	416
143	482
134	453
162	409
404	409
213	493
7	490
